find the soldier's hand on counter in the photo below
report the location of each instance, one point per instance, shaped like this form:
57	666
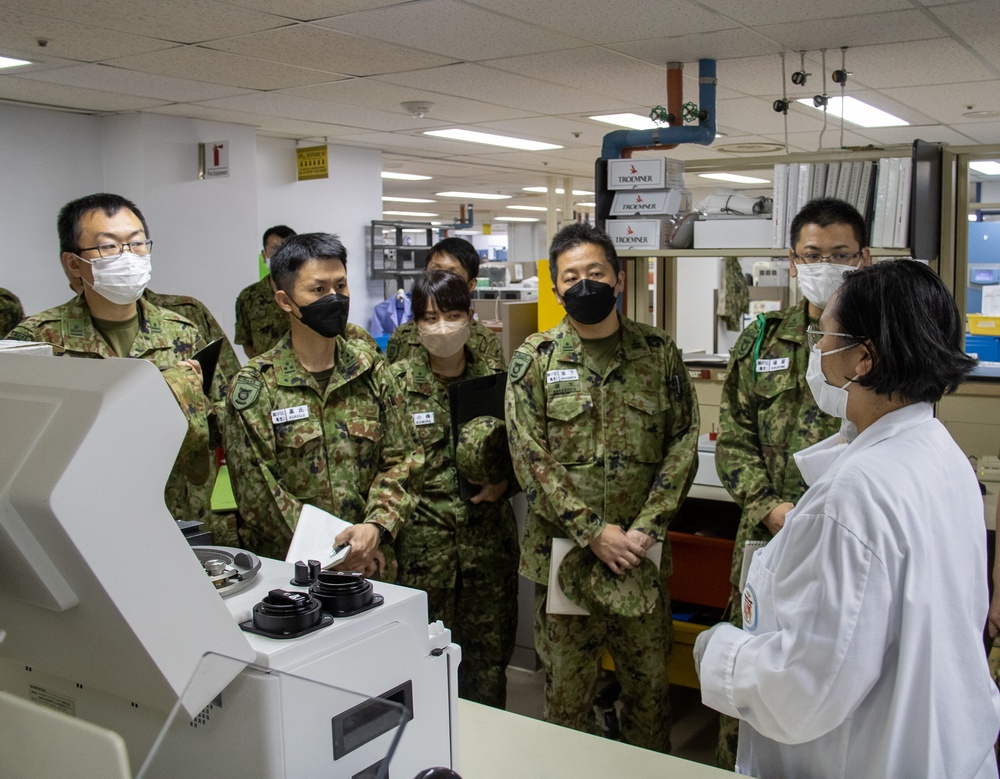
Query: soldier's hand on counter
775	520
616	550
364	540
490	493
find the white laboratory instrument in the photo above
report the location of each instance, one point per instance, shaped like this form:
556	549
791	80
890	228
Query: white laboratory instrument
112	618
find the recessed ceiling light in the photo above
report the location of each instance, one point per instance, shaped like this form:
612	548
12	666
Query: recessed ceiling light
987	167
858	113
407	213
474	195
559	190
749	148
492	140
387	199
734	178
388	174
466	232
516	219
10	62
586	205
981	114
629	121
528	208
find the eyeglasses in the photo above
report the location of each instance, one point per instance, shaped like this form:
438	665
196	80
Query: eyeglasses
814	336
836	259
112	251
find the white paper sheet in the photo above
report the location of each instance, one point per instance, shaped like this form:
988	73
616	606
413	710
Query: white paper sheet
313	537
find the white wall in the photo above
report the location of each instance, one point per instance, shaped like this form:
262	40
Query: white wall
46	159
345	204
206	233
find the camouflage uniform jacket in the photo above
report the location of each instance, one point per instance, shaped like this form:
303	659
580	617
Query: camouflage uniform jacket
260	322
765	420
11	311
198	314
591	450
446	533
350	450
483	342
164	338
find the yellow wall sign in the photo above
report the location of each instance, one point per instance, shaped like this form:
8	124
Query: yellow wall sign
313	163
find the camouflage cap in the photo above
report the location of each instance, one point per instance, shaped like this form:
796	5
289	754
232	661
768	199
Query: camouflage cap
481	454
590	583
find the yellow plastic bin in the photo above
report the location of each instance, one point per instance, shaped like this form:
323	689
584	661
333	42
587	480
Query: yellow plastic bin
983	325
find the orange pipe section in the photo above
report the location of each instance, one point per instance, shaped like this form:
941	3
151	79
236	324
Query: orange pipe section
675	106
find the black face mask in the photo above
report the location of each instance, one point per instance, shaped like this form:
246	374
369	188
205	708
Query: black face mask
327	316
589	302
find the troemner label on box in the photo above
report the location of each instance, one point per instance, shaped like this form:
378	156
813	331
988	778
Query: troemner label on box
635	174
634	233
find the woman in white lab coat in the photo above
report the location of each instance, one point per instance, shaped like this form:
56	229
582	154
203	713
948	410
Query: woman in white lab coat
861	654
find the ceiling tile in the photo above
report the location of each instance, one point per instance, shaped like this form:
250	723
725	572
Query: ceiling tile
307	10
935	132
982	132
712	45
976	23
185	21
91	100
868	30
553	129
219	67
906	64
946	103
388	97
758	12
463	31
132	82
612	21
22	31
478	82
309	46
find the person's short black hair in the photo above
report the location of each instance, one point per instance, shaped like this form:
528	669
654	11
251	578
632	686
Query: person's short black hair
299	249
826	211
284	232
909	318
461	250
449	292
71	215
575	234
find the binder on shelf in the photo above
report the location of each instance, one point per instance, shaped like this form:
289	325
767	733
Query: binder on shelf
832	175
881	192
779	236
819	180
891	193
902	221
844	181
864	184
805	188
855	184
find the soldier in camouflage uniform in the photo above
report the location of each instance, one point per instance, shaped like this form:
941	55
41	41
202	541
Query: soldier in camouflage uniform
768	412
93	325
11	311
460	257
319	419
603	429
462	553
260	322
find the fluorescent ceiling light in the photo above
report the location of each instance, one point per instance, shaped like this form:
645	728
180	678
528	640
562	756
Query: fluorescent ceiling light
734	178
387	174
973	218
407	213
988	167
586	205
859	113
386	199
516	219
493	140
10	62
529	208
474	195
630	121
420	230
559	190
466	232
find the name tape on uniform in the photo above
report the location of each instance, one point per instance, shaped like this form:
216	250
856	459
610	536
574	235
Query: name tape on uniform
767	366
281	415
423	418
551	377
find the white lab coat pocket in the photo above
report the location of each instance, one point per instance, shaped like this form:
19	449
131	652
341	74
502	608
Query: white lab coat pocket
758	597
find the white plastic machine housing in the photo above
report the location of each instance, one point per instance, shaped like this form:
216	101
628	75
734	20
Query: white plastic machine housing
109	613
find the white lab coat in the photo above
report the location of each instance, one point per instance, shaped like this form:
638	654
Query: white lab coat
861	654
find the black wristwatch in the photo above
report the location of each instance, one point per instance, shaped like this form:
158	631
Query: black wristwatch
384	536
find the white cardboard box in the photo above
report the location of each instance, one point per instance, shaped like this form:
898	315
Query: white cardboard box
732	234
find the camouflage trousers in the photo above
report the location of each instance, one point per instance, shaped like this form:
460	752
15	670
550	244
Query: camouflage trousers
570	648
483	621
729	727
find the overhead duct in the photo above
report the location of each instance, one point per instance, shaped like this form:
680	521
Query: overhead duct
621	143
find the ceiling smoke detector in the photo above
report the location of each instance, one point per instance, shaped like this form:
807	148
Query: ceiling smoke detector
418	109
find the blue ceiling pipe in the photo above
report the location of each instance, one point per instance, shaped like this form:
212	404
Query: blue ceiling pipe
704	133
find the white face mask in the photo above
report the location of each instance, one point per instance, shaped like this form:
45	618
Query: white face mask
444	339
121	279
831	400
820	280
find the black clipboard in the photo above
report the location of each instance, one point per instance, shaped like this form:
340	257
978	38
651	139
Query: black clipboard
208	358
480	397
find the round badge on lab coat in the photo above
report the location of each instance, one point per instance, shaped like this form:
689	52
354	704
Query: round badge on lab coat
749	609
